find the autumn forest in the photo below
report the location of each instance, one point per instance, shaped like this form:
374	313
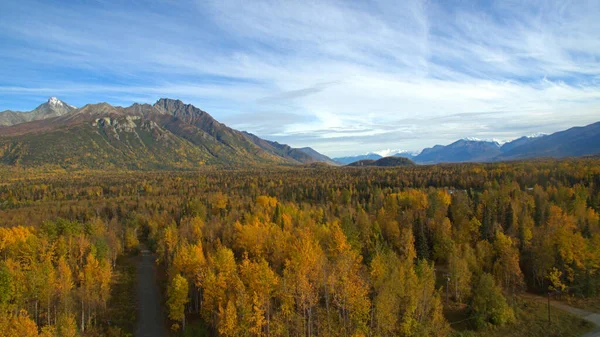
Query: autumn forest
441	250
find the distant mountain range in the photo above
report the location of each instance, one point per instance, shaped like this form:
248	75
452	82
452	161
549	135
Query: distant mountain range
166	135
574	142
375	156
463	150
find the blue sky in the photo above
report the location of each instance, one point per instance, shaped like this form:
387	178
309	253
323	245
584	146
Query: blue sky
344	77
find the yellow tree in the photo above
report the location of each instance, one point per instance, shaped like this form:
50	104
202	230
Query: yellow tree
17	325
460	273
348	288
66	326
302	277
190	262
390	277
168	243
64	284
506	267
218	283
228	324
104	275
177	298
261	282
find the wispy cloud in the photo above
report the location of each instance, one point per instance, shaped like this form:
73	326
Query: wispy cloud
343	77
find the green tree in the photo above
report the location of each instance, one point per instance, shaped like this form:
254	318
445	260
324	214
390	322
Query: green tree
488	304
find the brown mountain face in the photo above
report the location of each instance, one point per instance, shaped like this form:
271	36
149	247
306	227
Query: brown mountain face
282	150
168	134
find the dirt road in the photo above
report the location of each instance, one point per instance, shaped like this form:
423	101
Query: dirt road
150	318
586	315
589	316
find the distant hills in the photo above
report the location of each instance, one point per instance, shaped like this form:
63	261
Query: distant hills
353	159
383	162
574	142
167	135
374	156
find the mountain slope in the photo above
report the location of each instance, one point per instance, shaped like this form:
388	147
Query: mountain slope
577	141
318	156
168	134
52	108
281	150
516	143
463	150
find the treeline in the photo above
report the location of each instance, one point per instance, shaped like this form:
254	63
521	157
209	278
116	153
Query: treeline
335	251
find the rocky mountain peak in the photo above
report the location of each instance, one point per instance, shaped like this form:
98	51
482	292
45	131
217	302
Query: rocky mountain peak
55	101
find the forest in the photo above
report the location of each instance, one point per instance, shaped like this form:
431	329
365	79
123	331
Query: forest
301	251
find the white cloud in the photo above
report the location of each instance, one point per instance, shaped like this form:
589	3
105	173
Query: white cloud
341	77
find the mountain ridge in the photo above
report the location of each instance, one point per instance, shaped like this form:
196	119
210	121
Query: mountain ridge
573	142
51	108
168	134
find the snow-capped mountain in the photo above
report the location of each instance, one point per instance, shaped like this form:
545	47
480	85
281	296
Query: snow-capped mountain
57	103
396	153
500	142
515	143
54	107
463	150
537	135
168	134
468	149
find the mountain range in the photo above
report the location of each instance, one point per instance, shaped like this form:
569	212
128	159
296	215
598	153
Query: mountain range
375	156
573	142
173	135
167	135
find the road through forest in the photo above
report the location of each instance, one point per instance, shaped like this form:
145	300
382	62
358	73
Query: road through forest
150	316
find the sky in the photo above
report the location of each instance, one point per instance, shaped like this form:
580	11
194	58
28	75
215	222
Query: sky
344	77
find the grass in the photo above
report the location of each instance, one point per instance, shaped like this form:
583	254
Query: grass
589	304
532	321
196	328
